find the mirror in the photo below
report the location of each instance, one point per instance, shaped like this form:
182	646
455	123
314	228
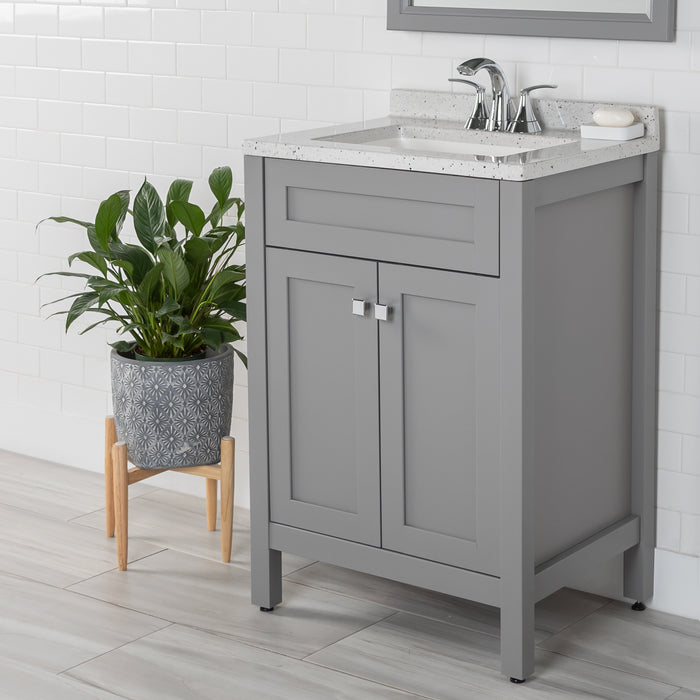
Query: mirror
611	6
647	20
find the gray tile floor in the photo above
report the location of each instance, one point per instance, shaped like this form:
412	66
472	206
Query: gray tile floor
179	623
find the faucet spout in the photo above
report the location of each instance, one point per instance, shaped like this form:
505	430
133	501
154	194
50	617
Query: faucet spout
502	109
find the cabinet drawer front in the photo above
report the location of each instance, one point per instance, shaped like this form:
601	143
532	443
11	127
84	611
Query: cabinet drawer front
422	219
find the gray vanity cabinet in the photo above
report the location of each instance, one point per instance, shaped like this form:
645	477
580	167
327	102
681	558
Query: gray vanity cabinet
494	437
432	362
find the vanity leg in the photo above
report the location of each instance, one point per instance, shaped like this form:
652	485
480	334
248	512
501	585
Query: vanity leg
639	561
266	578
517	640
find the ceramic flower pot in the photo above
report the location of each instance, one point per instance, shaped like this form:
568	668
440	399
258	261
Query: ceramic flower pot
173	414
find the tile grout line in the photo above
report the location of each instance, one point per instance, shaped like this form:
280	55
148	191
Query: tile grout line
101	509
613	668
575	622
397	610
65	671
357	631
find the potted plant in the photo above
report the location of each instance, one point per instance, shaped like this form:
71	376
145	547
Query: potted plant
176	296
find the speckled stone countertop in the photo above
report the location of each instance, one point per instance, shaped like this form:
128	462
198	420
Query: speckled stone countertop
440	115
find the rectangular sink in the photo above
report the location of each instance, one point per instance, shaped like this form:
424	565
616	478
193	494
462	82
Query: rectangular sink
445	141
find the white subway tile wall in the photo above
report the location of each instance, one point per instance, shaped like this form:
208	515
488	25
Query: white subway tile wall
95	95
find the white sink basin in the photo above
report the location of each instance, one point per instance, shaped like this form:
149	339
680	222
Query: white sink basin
444	141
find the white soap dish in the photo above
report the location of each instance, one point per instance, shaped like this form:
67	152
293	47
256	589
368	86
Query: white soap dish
612	133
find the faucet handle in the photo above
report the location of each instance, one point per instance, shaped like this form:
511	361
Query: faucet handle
525	119
479	115
528	90
479	88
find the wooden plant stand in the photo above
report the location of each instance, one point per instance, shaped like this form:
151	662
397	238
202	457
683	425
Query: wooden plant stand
118	478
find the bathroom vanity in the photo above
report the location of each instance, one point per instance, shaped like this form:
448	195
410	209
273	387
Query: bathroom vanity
452	343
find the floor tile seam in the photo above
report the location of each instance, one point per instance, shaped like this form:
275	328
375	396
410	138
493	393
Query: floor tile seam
43	582
614	668
575	622
29	579
688	635
352	634
101	509
295	571
247	642
156	490
89	685
111	568
67	671
410	693
83	594
46	516
230	636
190	553
423	616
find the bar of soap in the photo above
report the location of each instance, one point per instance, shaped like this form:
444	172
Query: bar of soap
613	117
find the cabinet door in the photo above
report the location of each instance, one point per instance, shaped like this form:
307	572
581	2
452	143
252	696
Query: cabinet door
439	416
323	395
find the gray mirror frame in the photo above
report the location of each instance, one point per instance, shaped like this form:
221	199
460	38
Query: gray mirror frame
659	26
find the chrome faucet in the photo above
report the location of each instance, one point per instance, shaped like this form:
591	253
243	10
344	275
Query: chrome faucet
502	109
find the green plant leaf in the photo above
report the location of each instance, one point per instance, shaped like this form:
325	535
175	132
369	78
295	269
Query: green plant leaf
126	266
107	290
174	270
91	258
167	308
218	211
216	336
123	345
141	262
96	245
197	252
220	183
80	305
108	215
244	359
179	191
63	273
124	196
236	309
149	217
189	215
150	287
65	220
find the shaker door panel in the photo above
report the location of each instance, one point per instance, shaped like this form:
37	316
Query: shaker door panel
323	395
439	416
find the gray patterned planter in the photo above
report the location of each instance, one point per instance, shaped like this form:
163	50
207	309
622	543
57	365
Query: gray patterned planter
173	414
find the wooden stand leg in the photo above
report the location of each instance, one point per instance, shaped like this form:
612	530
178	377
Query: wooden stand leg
211	504
110	439
121	502
228	448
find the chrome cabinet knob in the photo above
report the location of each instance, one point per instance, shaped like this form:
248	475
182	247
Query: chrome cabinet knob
381	312
359	307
